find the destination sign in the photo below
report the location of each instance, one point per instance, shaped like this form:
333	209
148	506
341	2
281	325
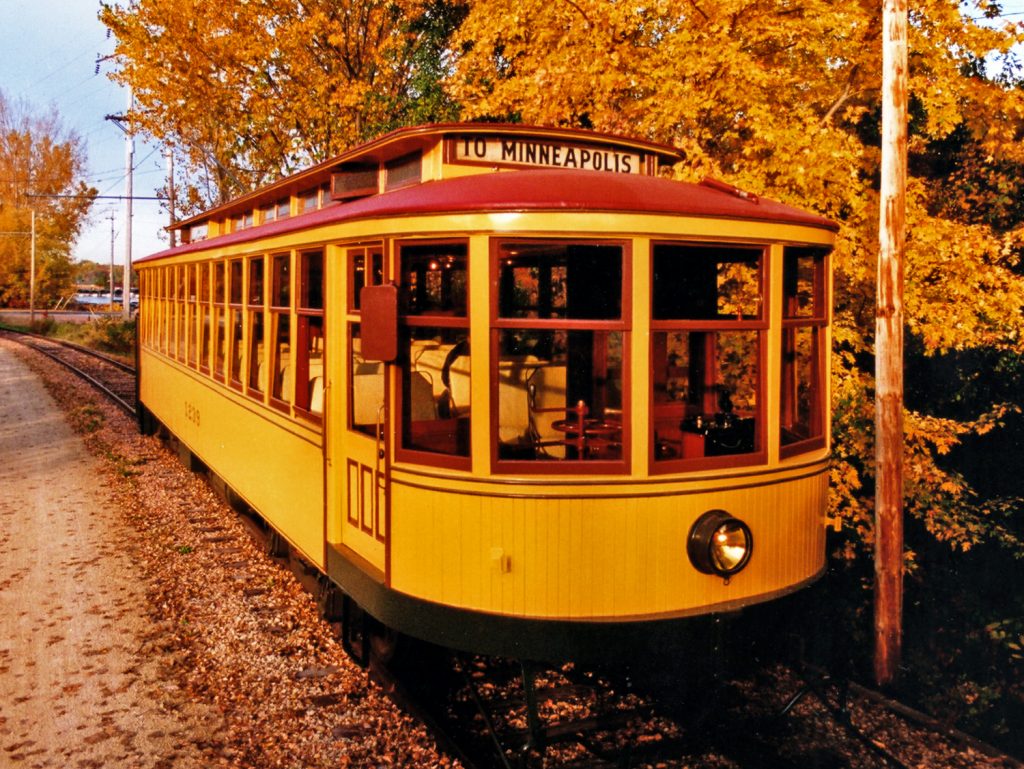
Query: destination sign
521	151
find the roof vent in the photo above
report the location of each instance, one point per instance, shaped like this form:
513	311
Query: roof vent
354	181
403	171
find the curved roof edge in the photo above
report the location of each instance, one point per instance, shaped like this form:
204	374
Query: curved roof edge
536	190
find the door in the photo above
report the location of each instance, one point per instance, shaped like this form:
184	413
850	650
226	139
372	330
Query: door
364	457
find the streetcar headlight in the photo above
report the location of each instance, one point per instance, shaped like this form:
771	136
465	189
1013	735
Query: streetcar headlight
719	543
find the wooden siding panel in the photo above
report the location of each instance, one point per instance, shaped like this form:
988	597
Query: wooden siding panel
276	470
597	557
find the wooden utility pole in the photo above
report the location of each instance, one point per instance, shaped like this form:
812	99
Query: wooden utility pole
126	297
32	276
171	202
111	261
889	347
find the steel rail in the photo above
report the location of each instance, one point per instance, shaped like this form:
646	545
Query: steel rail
20	336
126	367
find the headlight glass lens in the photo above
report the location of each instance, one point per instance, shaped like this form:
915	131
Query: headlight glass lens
719	543
729	546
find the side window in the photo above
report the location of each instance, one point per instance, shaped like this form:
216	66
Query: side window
180	309
235	340
707	327
165	309
204	321
143	320
192	316
279	337
805	318
220	320
434	350
309	372
561	332
366	378
257	379
308	200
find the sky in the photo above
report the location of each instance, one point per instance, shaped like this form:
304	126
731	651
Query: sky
48	55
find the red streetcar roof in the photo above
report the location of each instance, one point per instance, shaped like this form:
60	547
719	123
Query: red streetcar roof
536	190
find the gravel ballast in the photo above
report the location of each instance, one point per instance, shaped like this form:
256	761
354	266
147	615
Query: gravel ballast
141	625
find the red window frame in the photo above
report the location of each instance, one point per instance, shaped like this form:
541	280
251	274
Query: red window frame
758	323
622	325
427	319
793	321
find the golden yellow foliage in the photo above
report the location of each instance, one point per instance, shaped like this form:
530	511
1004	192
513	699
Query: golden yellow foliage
39	161
782	98
251	90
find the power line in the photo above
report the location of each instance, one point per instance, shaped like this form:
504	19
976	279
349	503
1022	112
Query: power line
134	168
96	197
997	16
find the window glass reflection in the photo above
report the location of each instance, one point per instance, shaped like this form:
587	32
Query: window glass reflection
705	393
706	283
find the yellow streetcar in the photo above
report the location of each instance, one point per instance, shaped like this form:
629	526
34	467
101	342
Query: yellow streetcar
510	389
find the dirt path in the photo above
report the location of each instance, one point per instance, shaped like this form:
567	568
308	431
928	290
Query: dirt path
76	687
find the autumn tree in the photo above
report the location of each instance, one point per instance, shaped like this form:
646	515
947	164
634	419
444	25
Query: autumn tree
782	98
246	92
40	162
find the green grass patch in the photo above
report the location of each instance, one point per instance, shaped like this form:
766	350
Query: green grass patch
112	335
106	334
86	419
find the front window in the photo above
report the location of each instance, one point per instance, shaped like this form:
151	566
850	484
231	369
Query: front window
561	339
435	393
708	321
805	318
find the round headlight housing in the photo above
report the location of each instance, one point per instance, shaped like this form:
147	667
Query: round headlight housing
719	543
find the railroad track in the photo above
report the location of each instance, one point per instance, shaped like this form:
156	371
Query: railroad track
112	377
595	719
